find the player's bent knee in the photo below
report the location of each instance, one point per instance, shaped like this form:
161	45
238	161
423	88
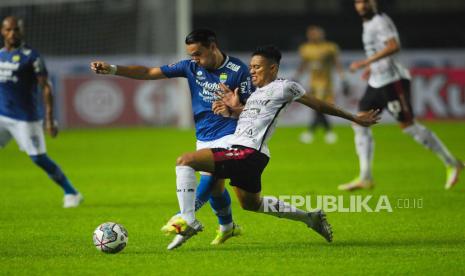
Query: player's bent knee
185	160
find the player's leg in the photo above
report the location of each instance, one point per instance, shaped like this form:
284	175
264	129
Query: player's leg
399	105
5	135
364	144
306	137
330	135
187	225
212	189
30	138
271	205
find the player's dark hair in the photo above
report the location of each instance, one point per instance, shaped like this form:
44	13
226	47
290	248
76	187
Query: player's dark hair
270	52
203	36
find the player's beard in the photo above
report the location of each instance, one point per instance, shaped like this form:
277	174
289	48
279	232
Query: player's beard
368	15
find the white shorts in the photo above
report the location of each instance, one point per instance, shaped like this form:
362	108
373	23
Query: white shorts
28	135
218	143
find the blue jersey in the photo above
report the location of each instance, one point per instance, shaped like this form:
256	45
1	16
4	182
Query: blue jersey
203	85
19	94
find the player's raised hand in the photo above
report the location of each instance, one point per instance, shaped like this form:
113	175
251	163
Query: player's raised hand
220	108
100	67
366	74
369	118
228	97
51	127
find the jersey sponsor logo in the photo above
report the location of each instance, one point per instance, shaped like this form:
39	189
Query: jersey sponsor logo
246	86
6	71
209	89
16	58
233	66
199	76
258	102
26	52
251	113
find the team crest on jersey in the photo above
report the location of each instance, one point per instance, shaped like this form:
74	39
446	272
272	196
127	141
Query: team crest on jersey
16	58
223	77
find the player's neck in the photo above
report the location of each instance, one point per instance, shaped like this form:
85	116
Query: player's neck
219	59
10	47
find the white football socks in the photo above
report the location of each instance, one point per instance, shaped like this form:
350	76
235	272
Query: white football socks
428	139
185	185
272	206
364	145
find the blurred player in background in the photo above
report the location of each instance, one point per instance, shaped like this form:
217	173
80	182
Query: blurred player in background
322	57
207	67
23	77
249	154
388	87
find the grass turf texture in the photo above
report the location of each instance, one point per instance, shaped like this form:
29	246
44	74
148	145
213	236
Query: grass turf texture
128	176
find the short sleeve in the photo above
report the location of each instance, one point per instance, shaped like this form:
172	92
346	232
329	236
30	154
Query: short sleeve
38	65
245	86
385	29
175	70
292	91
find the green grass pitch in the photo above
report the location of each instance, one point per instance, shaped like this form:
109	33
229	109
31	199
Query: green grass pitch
128	176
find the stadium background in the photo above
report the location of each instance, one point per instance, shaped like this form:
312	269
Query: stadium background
71	33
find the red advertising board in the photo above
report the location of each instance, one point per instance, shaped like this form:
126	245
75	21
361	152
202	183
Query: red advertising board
111	101
438	93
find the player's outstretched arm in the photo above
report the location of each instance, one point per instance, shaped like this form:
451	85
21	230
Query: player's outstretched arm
367	119
133	71
392	46
49	122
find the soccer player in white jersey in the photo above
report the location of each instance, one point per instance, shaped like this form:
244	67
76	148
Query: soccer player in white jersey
23	79
388	87
248	156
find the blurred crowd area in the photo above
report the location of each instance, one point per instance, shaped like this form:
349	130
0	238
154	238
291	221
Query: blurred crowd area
87	27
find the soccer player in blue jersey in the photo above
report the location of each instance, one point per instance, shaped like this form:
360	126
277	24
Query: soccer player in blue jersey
207	67
23	76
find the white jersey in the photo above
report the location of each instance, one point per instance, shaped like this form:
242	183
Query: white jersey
376	32
257	121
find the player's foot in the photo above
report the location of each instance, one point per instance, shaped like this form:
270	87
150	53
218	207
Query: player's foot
184	232
330	137
168	228
306	137
317	221
223	236
356	184
453	174
71	201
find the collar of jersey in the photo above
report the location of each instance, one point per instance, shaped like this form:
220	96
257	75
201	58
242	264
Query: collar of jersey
226	60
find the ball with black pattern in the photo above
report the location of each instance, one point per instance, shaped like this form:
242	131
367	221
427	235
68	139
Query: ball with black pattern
110	237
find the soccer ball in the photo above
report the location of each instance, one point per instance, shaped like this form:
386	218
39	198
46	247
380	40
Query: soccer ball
110	237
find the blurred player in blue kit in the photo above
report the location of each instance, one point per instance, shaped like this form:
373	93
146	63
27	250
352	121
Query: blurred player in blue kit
23	77
207	67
